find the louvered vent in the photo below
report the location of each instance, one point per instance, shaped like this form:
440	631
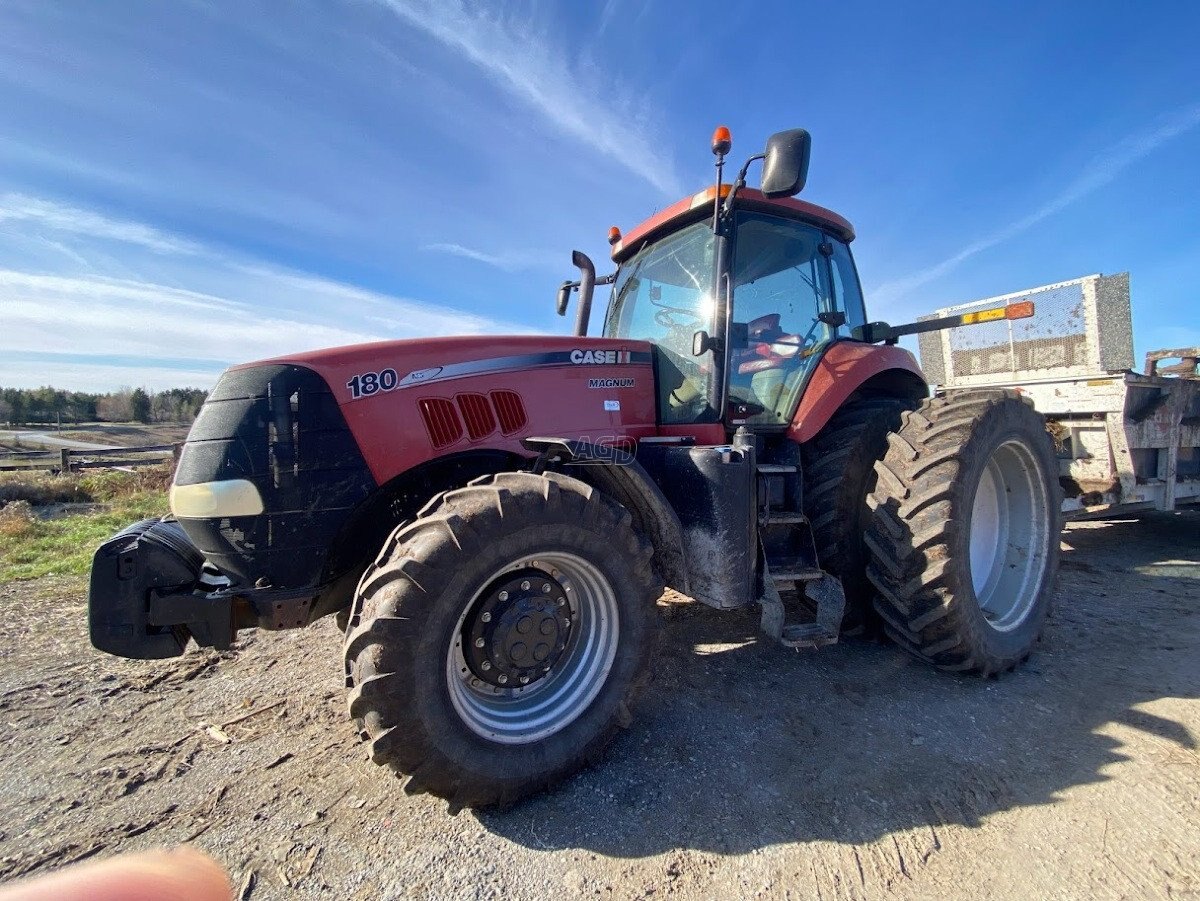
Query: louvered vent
441	421
476	410
511	411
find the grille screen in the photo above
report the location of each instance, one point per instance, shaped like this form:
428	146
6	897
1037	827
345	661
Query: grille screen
511	411
477	412
441	421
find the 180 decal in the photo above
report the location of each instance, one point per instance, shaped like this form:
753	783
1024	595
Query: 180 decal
367	383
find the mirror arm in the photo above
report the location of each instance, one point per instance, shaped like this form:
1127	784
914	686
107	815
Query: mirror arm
739	183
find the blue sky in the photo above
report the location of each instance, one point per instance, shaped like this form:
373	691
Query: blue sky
191	184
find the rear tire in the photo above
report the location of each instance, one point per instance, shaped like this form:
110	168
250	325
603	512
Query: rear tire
457	603
839	474
964	536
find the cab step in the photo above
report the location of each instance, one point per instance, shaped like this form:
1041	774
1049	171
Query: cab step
796	574
785	517
824	589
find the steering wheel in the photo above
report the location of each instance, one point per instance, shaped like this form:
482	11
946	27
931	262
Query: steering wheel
677	318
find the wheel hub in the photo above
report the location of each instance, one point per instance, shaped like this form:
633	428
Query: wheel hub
519	630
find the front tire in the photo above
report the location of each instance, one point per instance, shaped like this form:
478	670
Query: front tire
964	536
499	639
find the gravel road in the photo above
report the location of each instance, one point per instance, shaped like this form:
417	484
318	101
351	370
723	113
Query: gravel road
749	771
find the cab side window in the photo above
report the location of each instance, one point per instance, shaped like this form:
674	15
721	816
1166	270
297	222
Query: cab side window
847	294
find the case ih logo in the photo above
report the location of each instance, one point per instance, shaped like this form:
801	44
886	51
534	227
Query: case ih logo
599	356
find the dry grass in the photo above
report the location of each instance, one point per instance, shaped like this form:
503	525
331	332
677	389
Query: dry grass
32	546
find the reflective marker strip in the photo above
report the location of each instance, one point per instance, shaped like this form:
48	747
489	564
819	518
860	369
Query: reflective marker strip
983	316
1022	309
208	500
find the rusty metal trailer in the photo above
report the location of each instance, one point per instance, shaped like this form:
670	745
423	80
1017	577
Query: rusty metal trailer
1126	441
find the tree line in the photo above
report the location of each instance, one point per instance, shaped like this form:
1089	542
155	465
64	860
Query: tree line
19	406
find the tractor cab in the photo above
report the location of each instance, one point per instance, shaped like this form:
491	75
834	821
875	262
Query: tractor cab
741	292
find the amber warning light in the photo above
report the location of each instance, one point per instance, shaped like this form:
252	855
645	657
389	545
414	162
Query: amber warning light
722	141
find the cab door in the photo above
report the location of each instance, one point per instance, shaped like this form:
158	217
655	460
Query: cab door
786	297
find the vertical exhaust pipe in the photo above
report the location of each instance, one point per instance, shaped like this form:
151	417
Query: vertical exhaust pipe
587	284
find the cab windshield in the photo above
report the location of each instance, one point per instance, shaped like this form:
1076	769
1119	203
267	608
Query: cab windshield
663	294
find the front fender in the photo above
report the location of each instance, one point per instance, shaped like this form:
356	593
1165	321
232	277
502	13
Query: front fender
619	475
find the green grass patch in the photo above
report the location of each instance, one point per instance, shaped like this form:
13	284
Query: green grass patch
31	547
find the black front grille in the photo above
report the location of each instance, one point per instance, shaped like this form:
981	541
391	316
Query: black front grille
280	428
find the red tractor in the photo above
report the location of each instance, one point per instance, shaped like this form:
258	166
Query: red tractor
493	518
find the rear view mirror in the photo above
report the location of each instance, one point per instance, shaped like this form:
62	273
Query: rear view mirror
564	297
785	169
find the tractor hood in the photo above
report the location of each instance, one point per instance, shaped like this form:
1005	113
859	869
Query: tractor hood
427	360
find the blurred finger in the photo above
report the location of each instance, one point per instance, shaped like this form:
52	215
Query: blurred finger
184	874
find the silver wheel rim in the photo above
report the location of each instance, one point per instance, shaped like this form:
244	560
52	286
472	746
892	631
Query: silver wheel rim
524	714
1009	535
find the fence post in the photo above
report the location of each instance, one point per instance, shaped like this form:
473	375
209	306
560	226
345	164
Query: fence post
65	461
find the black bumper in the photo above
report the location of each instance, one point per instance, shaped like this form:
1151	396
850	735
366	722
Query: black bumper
148	596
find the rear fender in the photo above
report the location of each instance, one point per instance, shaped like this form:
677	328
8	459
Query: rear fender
850	367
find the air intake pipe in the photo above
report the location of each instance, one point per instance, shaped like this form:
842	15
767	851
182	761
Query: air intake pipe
587	284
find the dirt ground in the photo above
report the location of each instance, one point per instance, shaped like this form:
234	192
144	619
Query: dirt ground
750	771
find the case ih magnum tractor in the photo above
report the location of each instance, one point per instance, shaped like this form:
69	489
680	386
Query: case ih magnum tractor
493	518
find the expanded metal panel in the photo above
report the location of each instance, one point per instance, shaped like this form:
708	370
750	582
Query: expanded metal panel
1079	328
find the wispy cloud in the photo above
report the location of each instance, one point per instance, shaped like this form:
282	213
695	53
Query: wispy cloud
509	261
187	302
530	65
34	214
1102	170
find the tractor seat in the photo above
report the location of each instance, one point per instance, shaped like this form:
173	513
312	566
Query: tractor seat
765	350
765	362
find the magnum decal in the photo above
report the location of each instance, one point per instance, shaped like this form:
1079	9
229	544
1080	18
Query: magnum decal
610	383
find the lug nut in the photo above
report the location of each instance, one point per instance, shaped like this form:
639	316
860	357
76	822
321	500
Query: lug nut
485	666
478	642
486	617
525	585
503	595
503	678
546	588
562	602
524	680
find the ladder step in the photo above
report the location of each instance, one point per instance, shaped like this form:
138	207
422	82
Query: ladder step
831	604
800	574
777	469
808	635
785	517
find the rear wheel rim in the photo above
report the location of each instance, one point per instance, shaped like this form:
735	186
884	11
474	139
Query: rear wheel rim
521	714
1009	535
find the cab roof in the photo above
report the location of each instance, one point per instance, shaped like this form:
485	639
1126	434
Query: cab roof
699	206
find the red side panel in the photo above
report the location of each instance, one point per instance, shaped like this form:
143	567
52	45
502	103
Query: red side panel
841	372
411	401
